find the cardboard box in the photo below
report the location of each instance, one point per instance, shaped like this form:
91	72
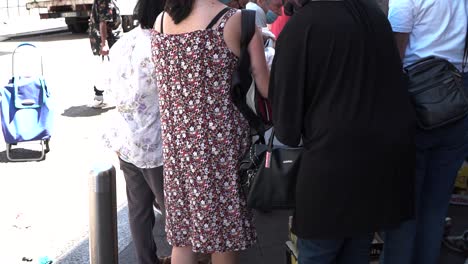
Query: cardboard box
460	190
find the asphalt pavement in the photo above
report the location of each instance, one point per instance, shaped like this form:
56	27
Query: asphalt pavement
45	208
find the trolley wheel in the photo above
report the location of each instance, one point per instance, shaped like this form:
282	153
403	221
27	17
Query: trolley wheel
47	148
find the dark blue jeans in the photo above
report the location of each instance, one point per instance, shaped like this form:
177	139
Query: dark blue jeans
440	154
353	250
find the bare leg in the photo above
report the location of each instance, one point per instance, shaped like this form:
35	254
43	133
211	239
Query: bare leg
183	255
225	258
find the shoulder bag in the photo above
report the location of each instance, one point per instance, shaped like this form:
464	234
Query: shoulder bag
244	93
268	175
436	89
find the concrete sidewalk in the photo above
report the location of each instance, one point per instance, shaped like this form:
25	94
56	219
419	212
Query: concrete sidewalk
272	231
30	25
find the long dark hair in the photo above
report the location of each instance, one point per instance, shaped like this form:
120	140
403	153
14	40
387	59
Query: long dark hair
179	9
146	12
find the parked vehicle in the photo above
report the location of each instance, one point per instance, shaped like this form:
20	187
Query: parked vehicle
77	12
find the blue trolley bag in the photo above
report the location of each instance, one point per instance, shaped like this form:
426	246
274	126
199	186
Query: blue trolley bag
25	107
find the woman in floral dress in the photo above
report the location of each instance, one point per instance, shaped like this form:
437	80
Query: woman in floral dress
195	46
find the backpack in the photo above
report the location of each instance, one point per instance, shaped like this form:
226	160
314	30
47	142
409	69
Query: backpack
251	104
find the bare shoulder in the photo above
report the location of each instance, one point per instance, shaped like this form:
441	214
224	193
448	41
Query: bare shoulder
232	29
232	32
233	23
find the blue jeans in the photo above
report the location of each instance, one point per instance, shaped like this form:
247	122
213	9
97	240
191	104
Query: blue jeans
353	250
465	82
439	156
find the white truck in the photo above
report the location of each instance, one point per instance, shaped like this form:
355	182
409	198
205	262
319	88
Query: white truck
77	12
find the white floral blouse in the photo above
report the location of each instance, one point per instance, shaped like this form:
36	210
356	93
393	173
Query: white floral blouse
135	132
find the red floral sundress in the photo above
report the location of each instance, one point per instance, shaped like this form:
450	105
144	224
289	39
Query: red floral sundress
204	138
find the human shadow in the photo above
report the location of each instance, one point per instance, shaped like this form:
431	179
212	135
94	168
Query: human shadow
85	111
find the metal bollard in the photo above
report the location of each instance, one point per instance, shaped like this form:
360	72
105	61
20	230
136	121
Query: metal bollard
103	244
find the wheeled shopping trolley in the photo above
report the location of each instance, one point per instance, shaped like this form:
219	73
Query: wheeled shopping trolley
25	108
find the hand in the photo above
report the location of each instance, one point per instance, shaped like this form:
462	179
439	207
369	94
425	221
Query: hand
104	50
267	34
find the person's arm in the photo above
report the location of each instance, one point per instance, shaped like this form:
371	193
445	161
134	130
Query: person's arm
103	32
232	36
402	15
260	70
402	42
289	75
104	13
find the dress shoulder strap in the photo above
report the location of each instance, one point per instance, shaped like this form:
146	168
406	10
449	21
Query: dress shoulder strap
162	21
222	21
217	17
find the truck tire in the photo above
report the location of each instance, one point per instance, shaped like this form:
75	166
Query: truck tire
77	24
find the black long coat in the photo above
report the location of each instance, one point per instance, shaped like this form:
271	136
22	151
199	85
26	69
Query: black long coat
337	83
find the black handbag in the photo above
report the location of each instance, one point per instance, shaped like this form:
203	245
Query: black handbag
268	175
436	90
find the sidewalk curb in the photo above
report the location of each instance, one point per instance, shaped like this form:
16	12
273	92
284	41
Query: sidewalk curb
33	33
79	252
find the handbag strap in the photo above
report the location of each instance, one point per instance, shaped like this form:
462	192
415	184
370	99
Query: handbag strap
247	30
465	53
270	140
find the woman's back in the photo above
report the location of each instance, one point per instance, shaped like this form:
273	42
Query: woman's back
201	19
204	136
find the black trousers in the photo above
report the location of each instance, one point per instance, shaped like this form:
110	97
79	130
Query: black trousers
144	186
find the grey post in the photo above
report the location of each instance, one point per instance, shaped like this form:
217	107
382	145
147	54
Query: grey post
103	244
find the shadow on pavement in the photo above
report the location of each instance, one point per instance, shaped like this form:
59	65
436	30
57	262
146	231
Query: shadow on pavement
21	153
85	111
49	37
